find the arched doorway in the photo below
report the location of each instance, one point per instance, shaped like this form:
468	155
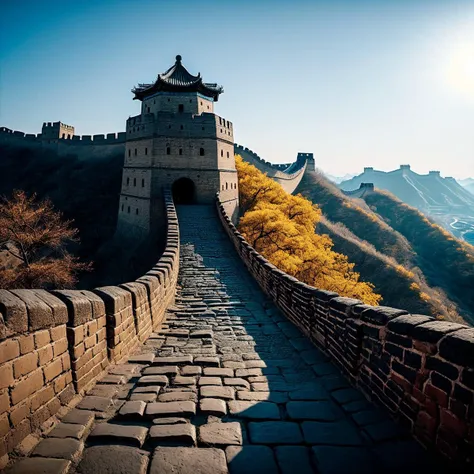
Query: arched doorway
184	191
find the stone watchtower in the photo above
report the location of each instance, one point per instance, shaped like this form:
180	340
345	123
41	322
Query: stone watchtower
176	141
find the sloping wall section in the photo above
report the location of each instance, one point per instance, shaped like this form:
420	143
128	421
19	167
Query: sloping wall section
420	369
54	345
287	175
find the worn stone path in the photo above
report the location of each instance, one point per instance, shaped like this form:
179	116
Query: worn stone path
227	385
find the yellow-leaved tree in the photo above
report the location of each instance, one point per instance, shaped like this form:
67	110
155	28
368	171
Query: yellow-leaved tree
281	227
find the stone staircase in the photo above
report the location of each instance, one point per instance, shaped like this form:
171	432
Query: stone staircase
227	385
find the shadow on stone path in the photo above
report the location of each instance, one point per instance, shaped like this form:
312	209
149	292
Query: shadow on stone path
228	384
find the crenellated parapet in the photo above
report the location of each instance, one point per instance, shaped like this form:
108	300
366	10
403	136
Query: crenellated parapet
364	189
54	345
419	368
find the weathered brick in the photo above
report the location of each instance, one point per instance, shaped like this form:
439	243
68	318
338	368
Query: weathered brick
42	338
26	387
436	394
40	315
441	382
25	364
9	349
4	401
6	375
45	354
412	359
59	347
380	314
27	343
14	313
4	426
444	368
52	370
458	347
467	377
19	412
78	306
58	333
75	335
433	331
42	397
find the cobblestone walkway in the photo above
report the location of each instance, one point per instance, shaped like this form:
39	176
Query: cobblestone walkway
227	385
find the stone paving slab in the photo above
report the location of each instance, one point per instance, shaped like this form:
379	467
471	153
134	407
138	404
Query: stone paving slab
167	460
113	460
40	466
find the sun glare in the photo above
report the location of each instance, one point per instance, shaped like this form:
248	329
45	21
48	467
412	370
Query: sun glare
460	71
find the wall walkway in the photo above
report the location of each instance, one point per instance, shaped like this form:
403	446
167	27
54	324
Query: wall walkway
227	384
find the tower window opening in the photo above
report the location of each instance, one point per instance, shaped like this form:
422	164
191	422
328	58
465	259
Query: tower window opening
203	128
222	153
180	151
220	121
226	186
168	151
135	152
201	151
122	207
136	211
207	107
181	108
134	181
128	209
169	126
182	127
168	99
129	151
201	102
190	101
128	181
149	109
227	154
146	152
143	182
154	102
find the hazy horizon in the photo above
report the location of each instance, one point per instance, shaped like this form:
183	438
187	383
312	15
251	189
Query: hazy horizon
367	83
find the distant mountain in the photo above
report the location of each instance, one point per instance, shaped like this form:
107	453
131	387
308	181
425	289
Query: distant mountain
338	179
470	188
414	263
466	182
429	193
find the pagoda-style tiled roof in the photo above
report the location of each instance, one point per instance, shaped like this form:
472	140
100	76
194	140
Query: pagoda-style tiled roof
178	79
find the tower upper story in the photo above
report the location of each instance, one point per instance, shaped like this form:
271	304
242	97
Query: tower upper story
178	91
178	104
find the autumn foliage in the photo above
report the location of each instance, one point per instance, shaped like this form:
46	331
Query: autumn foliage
281	227
35	236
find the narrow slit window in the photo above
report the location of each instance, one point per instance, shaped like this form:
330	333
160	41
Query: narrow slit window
134	181
143	182
168	151
180	151
201	151
146	152
181	108
128	210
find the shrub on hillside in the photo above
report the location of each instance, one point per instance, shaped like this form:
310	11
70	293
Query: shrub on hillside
36	236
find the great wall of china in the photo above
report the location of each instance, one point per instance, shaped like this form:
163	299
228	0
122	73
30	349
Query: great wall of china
215	360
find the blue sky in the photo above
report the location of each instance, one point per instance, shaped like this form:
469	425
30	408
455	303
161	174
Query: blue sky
358	83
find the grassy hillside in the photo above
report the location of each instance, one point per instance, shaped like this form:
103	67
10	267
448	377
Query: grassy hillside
384	254
86	191
445	262
356	216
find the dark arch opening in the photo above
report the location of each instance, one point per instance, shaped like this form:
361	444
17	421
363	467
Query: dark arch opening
184	191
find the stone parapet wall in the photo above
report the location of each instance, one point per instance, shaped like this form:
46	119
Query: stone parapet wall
419	368
56	344
288	180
